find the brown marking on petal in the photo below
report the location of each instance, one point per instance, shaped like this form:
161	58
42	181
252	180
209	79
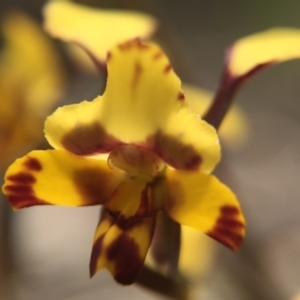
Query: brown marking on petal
168	68
125	252
33	164
96	252
94	185
18	189
181	96
141	45
108	56
136	74
89	139
158	55
125	46
23	178
228	229
174	153
146	208
128	223
20	192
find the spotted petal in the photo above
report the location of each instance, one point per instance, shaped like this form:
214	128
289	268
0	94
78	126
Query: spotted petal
55	177
264	48
121	246
96	30
202	202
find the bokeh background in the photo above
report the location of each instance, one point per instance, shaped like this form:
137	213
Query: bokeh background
45	251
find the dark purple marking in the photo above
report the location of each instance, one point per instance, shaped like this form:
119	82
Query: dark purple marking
22	178
168	68
146	208
228	230
173	152
96	252
33	164
18	189
128	223
89	139
181	96
94	185
20	193
125	252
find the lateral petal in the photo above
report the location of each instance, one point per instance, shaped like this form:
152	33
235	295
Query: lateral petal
271	46
204	203
121	246
55	177
96	30
187	142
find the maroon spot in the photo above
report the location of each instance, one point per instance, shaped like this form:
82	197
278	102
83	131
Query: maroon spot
137	74
168	68
22	178
158	55
228	230
173	152
20	193
18	189
96	252
33	164
89	139
146	208
229	211
128	223
125	252
181	96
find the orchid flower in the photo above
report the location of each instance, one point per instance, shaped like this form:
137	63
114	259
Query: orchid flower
137	150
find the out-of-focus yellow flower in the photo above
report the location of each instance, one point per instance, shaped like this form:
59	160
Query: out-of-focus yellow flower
159	158
96	30
31	81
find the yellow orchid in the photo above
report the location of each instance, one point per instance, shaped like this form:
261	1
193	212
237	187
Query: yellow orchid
137	150
31	81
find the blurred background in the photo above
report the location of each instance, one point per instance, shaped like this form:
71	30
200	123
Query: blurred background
45	250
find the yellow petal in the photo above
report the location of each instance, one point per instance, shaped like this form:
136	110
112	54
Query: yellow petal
187	142
234	129
55	177
96	30
268	47
141	92
143	104
121	247
204	203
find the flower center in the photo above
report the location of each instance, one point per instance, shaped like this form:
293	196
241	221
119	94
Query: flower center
135	161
